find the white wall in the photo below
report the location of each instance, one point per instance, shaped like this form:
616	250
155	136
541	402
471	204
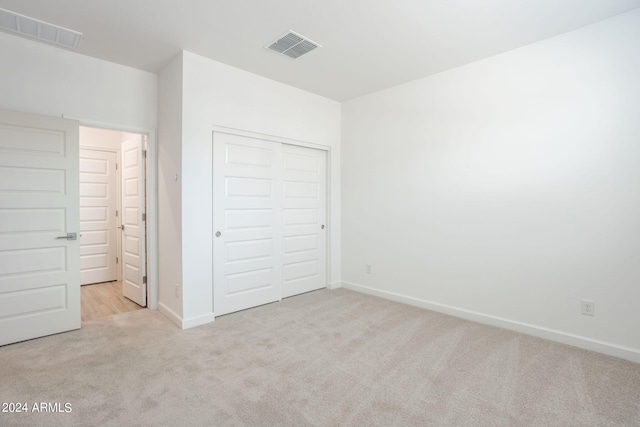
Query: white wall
169	189
100	138
506	190
217	94
42	79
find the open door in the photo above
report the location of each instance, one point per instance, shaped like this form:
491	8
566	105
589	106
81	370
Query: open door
39	224
134	278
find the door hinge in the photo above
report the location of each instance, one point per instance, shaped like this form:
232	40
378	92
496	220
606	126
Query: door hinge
144	216
116	166
144	280
117	260
116	214
144	154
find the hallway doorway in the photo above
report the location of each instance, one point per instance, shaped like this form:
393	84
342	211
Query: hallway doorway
112	217
103	300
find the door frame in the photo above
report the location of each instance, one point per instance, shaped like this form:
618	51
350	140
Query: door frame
299	143
151	194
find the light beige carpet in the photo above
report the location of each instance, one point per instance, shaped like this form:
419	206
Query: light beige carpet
327	358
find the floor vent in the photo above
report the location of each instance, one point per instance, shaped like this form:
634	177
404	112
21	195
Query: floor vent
292	45
40	30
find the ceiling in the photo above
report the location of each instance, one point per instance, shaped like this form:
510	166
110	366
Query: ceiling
368	45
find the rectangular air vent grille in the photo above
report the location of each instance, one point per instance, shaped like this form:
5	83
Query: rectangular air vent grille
292	45
40	30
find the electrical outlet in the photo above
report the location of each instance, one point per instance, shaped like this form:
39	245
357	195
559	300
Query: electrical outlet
367	268
177	290
588	308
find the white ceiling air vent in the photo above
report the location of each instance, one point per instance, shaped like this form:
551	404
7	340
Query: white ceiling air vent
40	30
292	45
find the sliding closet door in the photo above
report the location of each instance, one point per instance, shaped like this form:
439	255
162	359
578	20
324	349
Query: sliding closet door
269	220
304	219
247	222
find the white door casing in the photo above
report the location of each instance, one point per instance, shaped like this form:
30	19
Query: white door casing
269	220
247	222
39	208
133	222
98	222
304	219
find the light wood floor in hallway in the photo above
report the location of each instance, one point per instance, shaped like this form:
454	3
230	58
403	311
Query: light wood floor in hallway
103	300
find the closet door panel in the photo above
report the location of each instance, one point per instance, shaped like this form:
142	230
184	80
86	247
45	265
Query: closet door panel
247	222
304	219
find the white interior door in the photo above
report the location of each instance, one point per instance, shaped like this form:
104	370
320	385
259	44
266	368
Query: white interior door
247	222
304	219
98	222
134	284
39	214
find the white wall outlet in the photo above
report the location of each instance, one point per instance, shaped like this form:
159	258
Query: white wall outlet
588	308
367	268
177	290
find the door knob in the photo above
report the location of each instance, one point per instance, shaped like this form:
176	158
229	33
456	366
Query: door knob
322	227
218	234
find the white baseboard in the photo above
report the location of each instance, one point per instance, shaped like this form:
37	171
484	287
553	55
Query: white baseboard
610	349
192	322
172	315
334	285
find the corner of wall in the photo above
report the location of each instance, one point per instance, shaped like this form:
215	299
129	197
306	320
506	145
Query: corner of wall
170	94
